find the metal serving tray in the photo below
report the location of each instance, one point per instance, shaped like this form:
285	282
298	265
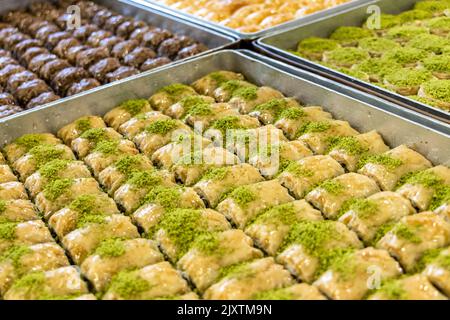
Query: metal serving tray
213	40
364	112
254	35
277	45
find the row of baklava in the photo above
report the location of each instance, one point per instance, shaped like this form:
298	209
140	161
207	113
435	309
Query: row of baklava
407	53
201	239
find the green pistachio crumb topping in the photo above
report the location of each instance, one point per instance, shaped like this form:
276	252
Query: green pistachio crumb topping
332	186
90	218
316	45
45	153
378	45
363	207
88	204
280	215
15	254
381	232
29	141
432	6
107	147
275	106
314	127
440	23
52	169
393	289
83	124
94	135
425	178
275	294
201	109
8	230
405	55
238	270
388	21
382	159
111	248
162	126
440	63
406	32
429	42
408	77
128	284
440	197
293	113
351	145
134	106
406	233
57	188
218	77
2	206
243	196
227	123
438	89
347	33
208	243
31	282
176	89
346	56
145	179
129	164
428	257
298	170
415	14
168	198
246	93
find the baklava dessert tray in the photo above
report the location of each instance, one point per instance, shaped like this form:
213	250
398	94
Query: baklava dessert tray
220	189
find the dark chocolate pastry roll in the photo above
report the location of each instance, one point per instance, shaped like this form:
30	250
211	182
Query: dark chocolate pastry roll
72	53
113	22
9	110
32	52
110	42
38	61
191	51
138	56
42	99
103	67
36	25
50	14
7	99
4	61
51	68
8	71
128	27
83	85
153	38
25	22
66	77
83	32
17	79
89	57
97	36
101	16
170	47
10	41
64	45
20	48
138	34
155	63
45	31
123	48
30	90
121	73
54	38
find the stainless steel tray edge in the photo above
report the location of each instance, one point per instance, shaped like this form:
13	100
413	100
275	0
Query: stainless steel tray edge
218	40
254	35
432	142
276	46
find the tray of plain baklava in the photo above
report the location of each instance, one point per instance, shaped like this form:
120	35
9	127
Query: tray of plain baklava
54	49
223	178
